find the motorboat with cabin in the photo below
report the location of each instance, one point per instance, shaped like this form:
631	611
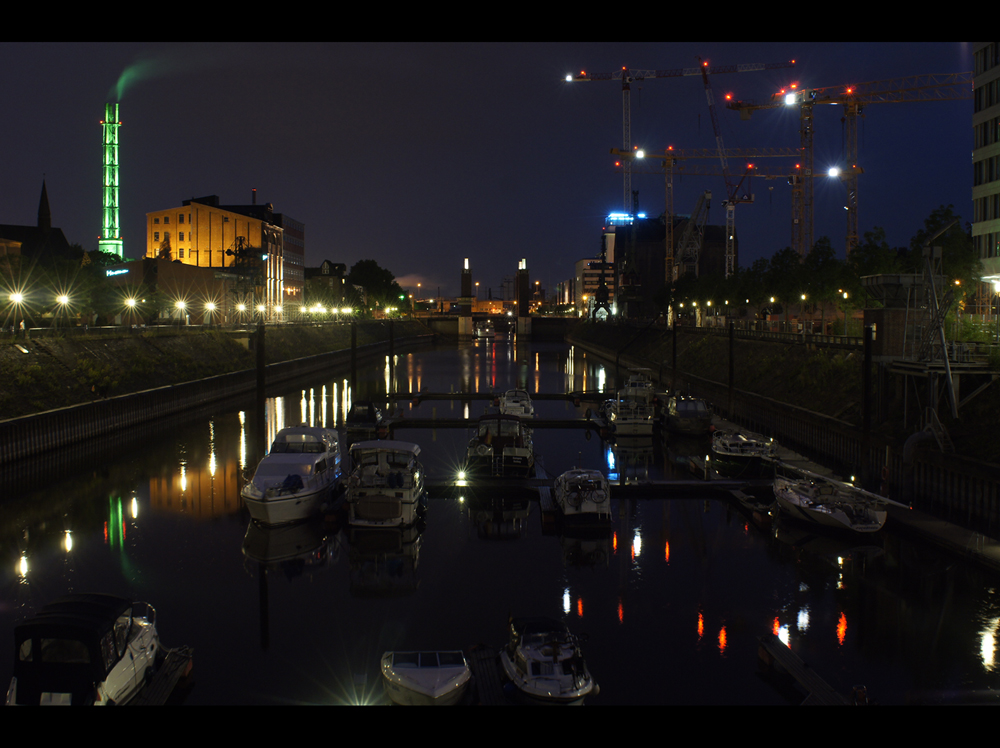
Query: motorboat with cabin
299	476
517	403
502	447
85	649
632	412
363	421
429	678
819	500
543	660
687	415
583	494
386	484
742	454
484	329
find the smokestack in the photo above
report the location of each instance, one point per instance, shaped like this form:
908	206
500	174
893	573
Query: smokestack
253	196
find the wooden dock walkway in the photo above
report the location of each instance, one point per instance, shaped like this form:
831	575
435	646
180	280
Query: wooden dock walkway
176	665
488	684
777	658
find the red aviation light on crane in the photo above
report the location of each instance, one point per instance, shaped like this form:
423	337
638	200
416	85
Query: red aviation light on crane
729	97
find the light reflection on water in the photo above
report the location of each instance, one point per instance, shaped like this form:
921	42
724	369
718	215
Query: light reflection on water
302	614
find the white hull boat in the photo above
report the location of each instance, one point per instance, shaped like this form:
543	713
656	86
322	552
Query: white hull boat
434	678
584	495
517	403
813	498
742	454
386	485
543	660
85	649
297	478
630	417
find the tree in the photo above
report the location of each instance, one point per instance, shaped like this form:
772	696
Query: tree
959	261
379	284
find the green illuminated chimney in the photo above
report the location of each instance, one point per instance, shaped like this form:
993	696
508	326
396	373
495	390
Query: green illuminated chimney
110	239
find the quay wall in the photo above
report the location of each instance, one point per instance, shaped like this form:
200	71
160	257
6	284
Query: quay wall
948	485
36	434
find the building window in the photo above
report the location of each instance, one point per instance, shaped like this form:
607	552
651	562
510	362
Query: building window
180	237
156	236
181	253
166	219
156	220
180	218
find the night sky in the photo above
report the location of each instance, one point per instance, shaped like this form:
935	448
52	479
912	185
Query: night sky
418	155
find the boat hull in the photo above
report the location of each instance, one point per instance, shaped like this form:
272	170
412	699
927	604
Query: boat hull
543	690
382	510
863	520
279	510
411	685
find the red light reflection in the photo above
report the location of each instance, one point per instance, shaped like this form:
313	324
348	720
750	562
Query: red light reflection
841	628
722	640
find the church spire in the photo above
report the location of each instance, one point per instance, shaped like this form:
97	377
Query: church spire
44	214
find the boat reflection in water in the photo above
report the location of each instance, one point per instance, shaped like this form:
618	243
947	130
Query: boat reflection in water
383	561
498	517
293	549
630	459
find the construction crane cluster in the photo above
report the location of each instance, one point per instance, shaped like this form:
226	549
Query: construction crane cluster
854	98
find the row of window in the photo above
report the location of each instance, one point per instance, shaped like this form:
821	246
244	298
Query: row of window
986	133
987	245
987	95
986	208
986	58
166	236
166	219
985	170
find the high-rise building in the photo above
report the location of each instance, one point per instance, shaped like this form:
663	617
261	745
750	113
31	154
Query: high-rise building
986	161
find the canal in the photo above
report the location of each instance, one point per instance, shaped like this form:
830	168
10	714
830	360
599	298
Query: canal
672	600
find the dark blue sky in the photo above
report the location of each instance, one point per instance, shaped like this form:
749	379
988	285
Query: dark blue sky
418	155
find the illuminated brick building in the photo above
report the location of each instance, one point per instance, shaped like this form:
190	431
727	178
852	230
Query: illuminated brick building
203	233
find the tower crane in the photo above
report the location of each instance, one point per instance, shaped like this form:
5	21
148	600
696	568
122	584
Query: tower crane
853	98
672	163
628	76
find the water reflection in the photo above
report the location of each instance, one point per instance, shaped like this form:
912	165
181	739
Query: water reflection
700	577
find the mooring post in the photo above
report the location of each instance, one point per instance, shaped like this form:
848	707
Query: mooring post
732	366
866	406
261	435
673	365
354	356
392	361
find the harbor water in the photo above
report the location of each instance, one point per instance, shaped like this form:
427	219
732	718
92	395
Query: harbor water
673	598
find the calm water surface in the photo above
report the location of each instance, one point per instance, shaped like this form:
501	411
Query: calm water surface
673	599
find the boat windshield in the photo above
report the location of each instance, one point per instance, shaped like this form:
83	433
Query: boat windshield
305	444
281	470
692	406
498	428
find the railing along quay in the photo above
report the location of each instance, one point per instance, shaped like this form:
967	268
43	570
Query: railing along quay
965	490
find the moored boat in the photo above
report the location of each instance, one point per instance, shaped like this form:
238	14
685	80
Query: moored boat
742	454
298	477
386	485
517	403
687	415
84	649
583	494
502	446
819	500
484	329
363	421
543	661
430	678
628	417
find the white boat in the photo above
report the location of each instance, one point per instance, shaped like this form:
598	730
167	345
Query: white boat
629	417
584	494
298	477
386	485
517	403
543	660
638	386
435	678
742	454
502	446
484	329
813	498
84	649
